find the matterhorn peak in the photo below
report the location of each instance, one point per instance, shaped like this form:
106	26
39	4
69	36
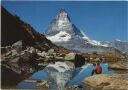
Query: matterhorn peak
63	17
61	23
62	10
62	32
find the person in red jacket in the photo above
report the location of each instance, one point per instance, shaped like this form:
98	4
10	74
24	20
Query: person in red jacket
98	69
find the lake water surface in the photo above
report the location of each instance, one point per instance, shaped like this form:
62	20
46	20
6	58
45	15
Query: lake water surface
79	75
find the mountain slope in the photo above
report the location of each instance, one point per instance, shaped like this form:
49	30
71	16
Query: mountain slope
120	45
62	32
14	29
24	51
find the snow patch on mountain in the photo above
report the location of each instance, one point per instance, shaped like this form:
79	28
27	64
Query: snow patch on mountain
85	37
94	42
62	36
118	40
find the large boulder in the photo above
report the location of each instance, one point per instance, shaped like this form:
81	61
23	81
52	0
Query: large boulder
119	65
14	52
18	46
70	56
108	82
50	51
42	54
18	43
32	50
79	60
70	64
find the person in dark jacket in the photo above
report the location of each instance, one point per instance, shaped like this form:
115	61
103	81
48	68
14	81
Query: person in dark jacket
94	68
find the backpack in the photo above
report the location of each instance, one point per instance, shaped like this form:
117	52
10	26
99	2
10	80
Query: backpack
98	70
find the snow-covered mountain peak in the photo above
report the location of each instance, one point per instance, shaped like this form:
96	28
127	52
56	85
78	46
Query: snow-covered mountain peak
63	32
63	15
61	29
62	22
62	10
62	19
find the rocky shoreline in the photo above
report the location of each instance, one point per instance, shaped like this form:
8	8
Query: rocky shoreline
119	65
108	82
23	61
116	81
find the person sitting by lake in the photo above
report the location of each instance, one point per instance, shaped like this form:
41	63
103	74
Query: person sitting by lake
94	68
98	69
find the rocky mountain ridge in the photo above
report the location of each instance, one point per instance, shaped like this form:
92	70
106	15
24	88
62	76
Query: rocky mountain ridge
120	45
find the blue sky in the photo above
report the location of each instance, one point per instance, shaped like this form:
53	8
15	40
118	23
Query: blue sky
99	20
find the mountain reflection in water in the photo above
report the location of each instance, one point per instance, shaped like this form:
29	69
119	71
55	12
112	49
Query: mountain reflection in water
58	77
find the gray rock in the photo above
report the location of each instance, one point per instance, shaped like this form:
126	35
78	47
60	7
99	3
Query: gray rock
70	64
108	82
18	46
38	51
14	52
18	43
43	54
49	57
15	60
61	58
70	56
54	54
32	50
50	51
8	53
119	65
